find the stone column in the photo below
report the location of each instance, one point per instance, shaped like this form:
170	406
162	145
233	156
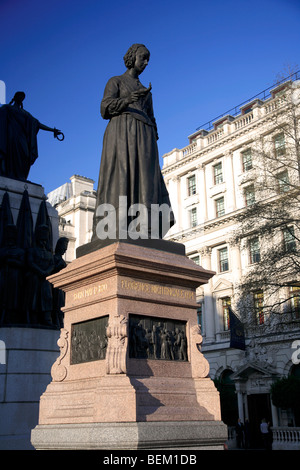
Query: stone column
235	262
240	401
231	198
174	189
209	312
241	406
246	408
201	180
274	415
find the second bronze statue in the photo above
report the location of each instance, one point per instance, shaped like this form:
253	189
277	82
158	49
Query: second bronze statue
18	138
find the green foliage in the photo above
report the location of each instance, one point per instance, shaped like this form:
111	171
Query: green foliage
285	394
228	399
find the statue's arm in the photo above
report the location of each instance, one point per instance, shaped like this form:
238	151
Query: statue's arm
112	103
36	268
149	109
55	131
46	128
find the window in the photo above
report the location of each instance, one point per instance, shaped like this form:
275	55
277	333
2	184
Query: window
196	259
226	303
279	142
220	207
295	301
259	307
193	217
254	249
218	174
248	110
247	160
191	181
249	195
223	260
283	182
289	239
200	316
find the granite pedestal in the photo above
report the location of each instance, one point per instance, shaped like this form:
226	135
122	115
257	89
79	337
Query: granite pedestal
112	386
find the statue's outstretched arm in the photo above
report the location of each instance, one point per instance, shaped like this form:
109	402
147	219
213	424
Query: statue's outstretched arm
55	131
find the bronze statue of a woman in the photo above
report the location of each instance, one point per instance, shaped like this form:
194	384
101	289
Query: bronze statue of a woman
130	162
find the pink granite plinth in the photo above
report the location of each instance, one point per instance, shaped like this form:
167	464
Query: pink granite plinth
116	282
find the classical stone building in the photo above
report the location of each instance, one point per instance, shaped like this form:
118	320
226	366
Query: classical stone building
210	182
75	203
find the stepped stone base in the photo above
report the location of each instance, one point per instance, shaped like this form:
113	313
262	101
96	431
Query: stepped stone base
172	435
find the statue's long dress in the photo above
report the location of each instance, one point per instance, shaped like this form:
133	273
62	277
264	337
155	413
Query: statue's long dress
129	162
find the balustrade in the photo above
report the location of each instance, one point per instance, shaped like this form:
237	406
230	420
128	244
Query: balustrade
214	136
189	149
286	438
275	104
243	121
238	123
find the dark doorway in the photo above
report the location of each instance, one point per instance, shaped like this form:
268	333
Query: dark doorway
259	407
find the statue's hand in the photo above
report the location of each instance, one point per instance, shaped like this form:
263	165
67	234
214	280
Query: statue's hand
57	133
134	96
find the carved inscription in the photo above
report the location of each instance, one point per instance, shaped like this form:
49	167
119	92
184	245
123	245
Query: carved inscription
157	338
90	292
89	340
148	288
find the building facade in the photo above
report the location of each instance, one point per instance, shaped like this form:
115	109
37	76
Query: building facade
75	203
211	182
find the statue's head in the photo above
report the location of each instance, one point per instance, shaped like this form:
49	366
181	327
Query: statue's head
19	98
11	234
130	56
42	234
61	245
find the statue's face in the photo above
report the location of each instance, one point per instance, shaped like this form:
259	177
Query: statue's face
19	98
141	59
65	245
43	242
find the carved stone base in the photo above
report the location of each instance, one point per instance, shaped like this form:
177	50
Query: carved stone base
145	365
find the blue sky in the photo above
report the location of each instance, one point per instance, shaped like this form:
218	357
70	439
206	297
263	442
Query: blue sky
206	57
